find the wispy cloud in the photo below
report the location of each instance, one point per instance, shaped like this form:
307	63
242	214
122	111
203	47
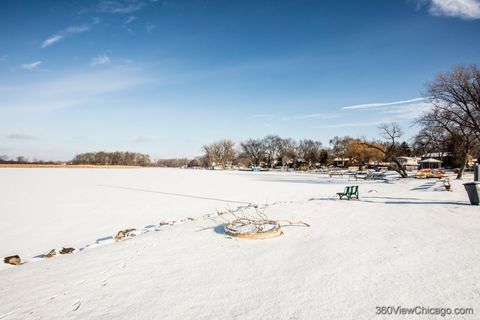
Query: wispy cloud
267	115
68	32
19	136
78	29
130	19
150	27
144	139
406	112
52	40
320	116
99	60
383	104
348	125
465	9
71	90
32	66
120	6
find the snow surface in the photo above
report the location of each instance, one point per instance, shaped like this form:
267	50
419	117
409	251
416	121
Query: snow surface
405	243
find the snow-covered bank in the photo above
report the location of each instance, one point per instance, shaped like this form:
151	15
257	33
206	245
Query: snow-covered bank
405	243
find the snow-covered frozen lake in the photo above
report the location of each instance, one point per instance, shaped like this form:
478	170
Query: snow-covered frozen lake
42	209
406	242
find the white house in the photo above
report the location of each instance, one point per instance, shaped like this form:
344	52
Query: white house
409	163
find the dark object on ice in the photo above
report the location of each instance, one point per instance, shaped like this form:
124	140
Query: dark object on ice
124	233
15	260
473	191
50	254
67	250
349	193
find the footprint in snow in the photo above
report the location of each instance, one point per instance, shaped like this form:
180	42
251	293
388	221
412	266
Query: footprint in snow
5	314
76	305
104	283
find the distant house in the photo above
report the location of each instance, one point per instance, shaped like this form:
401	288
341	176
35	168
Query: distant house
409	163
341	162
430	163
446	158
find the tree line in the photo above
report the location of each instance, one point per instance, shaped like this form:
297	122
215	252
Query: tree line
4	159
118	158
274	151
271	151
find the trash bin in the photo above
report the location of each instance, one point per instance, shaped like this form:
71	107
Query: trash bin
473	191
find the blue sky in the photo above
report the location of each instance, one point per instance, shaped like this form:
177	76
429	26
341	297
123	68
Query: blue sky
166	77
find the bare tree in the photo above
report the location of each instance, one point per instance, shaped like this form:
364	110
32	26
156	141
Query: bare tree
430	139
273	144
310	151
219	153
288	152
391	132
255	150
22	159
455	97
440	123
226	152
339	147
455	113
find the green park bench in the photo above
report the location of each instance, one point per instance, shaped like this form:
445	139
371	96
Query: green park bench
349	193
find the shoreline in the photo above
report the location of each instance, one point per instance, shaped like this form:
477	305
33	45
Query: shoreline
73	166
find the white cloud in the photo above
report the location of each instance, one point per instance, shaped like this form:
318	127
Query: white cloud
383	104
465	9
269	115
52	40
120	6
32	66
406	112
377	113
349	125
102	59
150	27
130	19
19	136
144	139
78	29
68	32
322	116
